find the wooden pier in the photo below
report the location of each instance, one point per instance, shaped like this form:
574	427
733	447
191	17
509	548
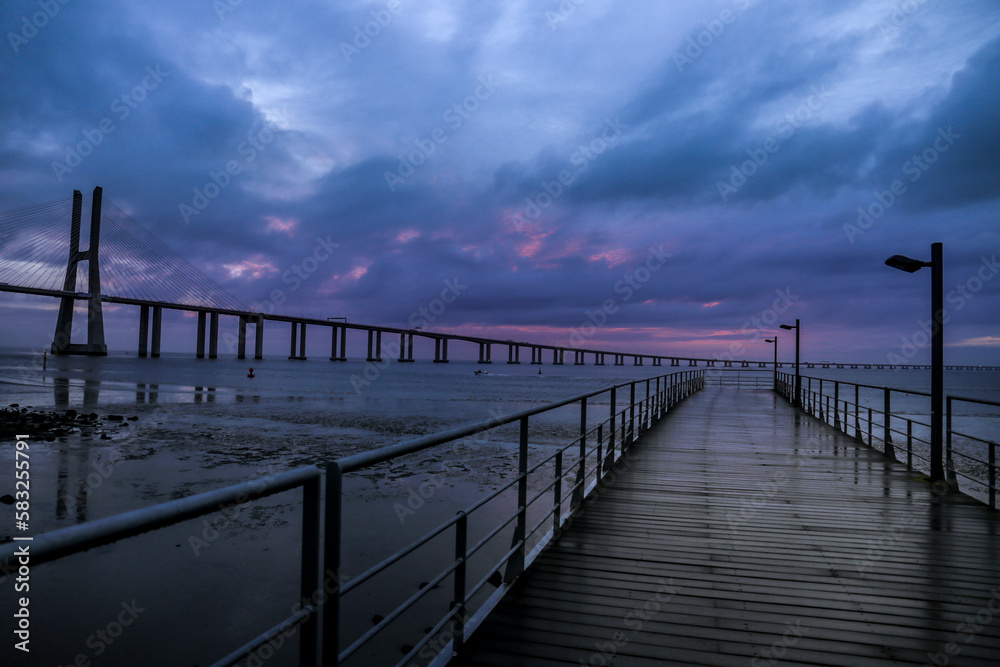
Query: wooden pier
748	533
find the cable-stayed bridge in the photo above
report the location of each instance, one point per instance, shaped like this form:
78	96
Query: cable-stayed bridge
126	264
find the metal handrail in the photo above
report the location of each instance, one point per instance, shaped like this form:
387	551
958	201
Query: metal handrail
643	410
321	516
77	539
785	388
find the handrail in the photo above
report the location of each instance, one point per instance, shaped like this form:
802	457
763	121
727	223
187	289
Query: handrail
624	425
77	539
817	403
321	517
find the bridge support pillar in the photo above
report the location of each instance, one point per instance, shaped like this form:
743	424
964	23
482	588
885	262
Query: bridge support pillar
692	362
301	354
374	345
486	353
657	361
213	336
342	354
143	331
157	326
200	347
62	339
636	361
258	342
558	356
619	360
405	348
536	356
440	350
241	338
513	353
578	358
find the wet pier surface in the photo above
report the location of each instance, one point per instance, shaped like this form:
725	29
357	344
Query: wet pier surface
744	532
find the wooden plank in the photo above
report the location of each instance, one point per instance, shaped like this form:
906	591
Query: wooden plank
741	529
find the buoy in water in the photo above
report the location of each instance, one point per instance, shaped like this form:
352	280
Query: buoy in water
250	374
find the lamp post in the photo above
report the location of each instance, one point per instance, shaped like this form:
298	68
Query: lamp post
775	341
798	378
910	265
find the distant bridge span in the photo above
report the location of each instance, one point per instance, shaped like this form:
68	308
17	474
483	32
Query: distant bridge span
216	302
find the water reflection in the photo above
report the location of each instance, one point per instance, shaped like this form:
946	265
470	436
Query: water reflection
91	392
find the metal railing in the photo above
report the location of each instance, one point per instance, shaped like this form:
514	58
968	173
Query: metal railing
587	460
75	539
888	431
741	378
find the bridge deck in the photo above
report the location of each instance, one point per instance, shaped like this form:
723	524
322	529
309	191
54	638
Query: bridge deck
746	533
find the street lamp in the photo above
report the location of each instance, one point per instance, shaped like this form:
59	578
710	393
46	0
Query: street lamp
775	341
798	378
910	265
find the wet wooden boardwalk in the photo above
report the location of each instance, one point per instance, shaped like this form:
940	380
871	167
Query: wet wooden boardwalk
745	533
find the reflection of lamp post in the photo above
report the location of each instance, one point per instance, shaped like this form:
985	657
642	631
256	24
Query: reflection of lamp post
775	341
937	347
798	378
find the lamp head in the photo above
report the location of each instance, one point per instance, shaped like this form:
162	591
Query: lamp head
788	327
904	263
770	340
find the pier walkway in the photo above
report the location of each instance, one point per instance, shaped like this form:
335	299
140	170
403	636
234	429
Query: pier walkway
745	532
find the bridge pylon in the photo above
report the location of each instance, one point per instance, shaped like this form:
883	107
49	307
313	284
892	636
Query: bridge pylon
62	340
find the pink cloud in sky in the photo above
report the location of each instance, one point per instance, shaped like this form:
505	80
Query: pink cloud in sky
256	266
276	224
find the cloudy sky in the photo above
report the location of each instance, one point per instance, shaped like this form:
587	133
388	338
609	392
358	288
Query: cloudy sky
687	175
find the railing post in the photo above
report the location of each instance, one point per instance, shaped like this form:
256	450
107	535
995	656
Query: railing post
949	469
890	451
836	404
330	652
992	476
611	424
909	443
870	427
515	566
857	413
557	505
647	411
581	473
461	557
631	413
310	577
822	417
600	452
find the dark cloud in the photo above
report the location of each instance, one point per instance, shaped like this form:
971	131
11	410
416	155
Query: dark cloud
314	121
